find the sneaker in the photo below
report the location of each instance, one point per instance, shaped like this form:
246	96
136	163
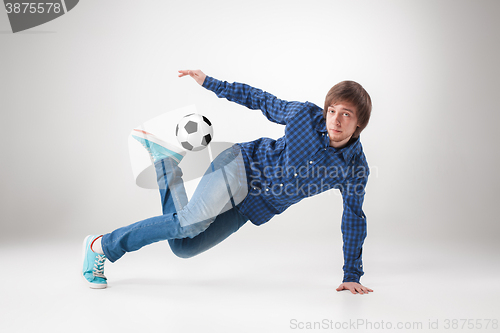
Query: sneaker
157	148
93	265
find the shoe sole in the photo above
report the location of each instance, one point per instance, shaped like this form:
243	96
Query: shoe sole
153	138
90	284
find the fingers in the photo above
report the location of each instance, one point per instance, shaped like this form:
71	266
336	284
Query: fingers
189	72
362	290
354	288
183	73
196	74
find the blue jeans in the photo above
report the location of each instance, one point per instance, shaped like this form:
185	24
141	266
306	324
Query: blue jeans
194	226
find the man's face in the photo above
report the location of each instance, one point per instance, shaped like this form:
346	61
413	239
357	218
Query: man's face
341	123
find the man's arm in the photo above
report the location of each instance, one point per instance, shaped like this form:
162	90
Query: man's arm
275	109
353	234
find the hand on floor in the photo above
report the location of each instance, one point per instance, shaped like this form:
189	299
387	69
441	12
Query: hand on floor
354	287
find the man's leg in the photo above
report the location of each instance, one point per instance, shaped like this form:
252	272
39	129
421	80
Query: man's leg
139	234
171	186
230	219
212	197
167	226
215	194
224	225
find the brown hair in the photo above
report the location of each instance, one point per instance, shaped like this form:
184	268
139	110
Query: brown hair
352	92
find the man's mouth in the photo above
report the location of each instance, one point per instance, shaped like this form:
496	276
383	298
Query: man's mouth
335	131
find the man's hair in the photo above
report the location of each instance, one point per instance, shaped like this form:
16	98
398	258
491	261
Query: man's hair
352	92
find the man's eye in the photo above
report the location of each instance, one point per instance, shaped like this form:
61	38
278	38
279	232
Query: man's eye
346	114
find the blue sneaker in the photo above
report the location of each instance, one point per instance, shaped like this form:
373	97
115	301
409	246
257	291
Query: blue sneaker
93	265
157	148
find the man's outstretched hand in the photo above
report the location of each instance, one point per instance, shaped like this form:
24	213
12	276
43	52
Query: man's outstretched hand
196	74
354	287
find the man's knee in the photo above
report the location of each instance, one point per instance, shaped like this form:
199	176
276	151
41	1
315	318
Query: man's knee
181	248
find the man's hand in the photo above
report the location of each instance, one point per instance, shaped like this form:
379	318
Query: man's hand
196	74
354	287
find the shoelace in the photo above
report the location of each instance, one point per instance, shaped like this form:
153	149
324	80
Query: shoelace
99	266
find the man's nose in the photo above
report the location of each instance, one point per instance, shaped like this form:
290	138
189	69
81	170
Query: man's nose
336	119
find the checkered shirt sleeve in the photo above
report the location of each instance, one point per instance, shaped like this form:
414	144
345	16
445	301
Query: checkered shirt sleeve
353	228
275	109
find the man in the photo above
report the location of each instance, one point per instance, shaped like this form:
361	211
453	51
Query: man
256	180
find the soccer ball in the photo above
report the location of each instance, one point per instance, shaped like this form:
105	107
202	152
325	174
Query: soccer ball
194	132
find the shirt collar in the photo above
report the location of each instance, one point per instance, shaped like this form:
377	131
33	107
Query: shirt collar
352	148
321	126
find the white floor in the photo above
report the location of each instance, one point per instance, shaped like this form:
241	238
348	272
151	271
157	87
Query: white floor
243	286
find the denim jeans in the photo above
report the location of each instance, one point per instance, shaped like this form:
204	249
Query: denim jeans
194	226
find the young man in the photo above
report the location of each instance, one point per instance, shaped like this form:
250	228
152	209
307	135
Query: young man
255	180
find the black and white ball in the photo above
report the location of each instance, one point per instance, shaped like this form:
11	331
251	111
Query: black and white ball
194	132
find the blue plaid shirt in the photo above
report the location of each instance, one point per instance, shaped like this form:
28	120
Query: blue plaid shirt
299	165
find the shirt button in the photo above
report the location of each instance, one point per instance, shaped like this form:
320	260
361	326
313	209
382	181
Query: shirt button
323	134
360	265
254	188
281	184
267	189
310	162
295	175
325	148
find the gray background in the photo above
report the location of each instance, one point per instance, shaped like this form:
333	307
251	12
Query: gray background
72	89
